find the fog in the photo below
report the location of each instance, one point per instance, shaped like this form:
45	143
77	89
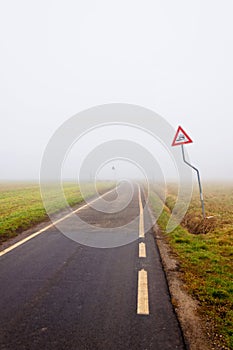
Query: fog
61	57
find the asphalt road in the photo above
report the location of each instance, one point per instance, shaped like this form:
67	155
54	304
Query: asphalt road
58	294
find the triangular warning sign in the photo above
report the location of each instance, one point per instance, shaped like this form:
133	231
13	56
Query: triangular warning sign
181	137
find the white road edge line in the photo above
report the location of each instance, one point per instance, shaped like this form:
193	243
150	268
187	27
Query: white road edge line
33	235
142	250
141	217
143	300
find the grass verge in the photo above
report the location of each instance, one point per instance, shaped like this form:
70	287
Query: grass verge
22	207
206	259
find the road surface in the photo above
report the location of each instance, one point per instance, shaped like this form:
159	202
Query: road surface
58	294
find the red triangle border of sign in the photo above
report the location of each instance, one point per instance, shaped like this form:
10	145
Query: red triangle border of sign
174	143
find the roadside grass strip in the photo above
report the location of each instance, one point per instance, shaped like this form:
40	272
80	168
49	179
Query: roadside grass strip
206	258
21	206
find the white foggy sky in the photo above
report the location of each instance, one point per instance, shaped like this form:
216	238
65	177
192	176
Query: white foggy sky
60	57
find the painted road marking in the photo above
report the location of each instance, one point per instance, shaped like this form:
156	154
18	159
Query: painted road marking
143	300
7	250
141	217
142	250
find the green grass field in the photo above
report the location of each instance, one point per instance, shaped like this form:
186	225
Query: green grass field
205	251
21	206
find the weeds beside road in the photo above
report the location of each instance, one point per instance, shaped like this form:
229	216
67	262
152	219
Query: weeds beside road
206	258
21	205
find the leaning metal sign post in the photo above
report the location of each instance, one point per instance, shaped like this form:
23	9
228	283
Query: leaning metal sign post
180	139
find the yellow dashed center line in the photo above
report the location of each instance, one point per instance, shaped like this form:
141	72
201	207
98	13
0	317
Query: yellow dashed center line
141	217
142	250
143	300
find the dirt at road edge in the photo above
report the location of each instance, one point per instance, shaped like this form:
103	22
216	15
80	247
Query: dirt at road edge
185	306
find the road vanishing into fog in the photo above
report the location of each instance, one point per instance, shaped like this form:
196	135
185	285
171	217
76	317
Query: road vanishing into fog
58	294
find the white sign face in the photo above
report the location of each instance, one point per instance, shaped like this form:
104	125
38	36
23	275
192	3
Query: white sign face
181	137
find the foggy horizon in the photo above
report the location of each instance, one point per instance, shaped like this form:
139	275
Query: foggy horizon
174	58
